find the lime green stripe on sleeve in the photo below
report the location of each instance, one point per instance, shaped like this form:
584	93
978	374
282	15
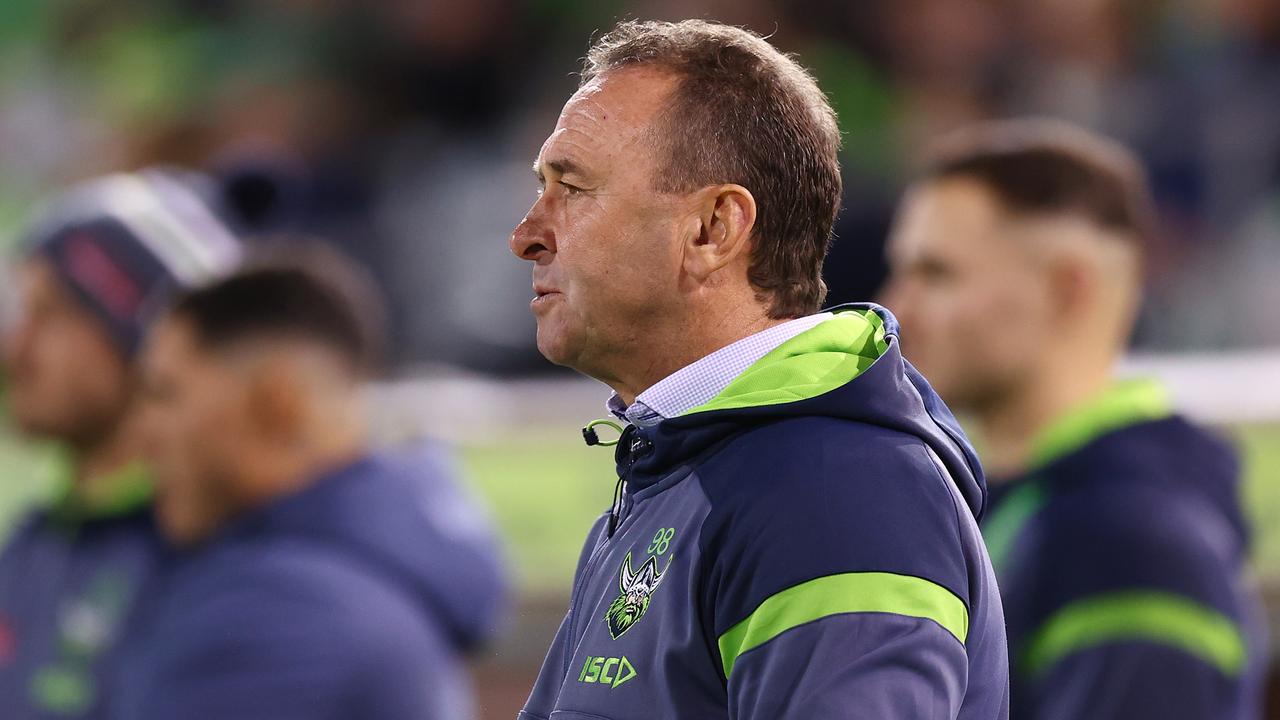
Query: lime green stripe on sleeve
861	592
1150	616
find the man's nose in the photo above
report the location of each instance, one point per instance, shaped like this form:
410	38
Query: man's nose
532	238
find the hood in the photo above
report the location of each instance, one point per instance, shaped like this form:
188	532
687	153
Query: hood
849	367
1133	429
401	514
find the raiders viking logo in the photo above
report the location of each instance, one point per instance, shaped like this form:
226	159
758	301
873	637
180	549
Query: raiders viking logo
637	589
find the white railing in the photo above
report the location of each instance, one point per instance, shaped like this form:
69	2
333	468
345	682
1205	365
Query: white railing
1235	387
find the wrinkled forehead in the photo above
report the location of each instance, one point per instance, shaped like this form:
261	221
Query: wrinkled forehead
611	118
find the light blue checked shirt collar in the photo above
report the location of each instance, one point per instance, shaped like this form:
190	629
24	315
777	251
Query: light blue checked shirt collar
698	382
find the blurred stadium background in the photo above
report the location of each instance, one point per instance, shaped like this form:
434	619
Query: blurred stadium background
403	130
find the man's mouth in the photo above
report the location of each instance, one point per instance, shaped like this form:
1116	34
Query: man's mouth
541	289
542	296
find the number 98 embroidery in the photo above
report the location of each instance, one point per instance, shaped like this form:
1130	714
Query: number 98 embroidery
661	541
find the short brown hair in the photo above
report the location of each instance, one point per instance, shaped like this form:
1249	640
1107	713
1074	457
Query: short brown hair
744	113
1047	167
298	289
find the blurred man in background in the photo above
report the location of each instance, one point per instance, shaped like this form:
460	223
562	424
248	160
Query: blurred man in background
317	579
101	263
795	534
1115	527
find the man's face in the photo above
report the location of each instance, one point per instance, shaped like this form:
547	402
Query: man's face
195	412
970	294
605	245
67	379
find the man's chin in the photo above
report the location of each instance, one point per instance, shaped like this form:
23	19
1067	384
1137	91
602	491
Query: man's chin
554	353
555	346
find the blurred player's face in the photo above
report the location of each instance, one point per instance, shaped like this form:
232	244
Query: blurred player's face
604	243
195	413
67	380
973	301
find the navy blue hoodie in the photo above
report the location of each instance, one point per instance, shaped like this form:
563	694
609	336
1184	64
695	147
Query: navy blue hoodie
1122	558
70	578
351	600
802	546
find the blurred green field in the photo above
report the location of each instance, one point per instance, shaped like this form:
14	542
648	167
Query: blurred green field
1260	451
27	475
544	490
546	487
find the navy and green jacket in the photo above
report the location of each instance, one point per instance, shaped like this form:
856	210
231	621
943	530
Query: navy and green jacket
353	599
1122	561
70	577
802	546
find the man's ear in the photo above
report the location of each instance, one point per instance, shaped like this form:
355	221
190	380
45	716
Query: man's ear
726	220
276	398
1072	284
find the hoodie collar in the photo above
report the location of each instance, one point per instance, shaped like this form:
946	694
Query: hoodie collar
848	367
1125	403
826	357
699	382
821	358
120	493
283	510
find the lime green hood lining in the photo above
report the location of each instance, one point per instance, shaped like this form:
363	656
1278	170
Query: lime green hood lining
1126	403
119	493
810	364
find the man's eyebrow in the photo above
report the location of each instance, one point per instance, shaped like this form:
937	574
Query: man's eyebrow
560	166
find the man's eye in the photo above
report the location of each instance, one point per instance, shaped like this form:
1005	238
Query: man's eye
934	271
571	189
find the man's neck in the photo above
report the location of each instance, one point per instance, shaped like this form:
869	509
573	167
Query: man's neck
1011	427
283	473
682	347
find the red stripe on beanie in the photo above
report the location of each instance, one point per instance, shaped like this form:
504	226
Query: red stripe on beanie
99	276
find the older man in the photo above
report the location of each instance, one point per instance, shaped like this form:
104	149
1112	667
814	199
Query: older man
795	533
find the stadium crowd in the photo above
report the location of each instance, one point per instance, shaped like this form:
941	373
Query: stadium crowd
402	129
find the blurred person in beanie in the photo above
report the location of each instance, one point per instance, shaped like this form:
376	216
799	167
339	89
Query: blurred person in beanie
795	531
100	264
314	578
1115	526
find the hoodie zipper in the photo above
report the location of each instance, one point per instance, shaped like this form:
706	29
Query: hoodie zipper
631	445
626	448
